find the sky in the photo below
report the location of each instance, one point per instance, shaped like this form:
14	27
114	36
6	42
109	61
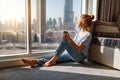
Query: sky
10	9
55	8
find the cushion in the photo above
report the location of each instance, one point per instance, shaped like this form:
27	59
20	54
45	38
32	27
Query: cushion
106	29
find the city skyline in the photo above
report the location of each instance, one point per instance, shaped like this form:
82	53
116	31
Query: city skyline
55	8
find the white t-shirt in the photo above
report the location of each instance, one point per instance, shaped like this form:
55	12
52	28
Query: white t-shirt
83	38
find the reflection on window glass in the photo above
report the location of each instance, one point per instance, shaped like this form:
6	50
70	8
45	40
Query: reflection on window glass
12	26
60	15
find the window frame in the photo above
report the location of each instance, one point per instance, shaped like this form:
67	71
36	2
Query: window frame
41	18
90	7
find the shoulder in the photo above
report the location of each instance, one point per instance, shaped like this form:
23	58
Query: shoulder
88	34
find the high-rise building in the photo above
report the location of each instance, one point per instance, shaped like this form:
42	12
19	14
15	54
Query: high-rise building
68	15
59	23
15	25
10	27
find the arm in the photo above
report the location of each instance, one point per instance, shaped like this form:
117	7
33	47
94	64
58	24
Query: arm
78	47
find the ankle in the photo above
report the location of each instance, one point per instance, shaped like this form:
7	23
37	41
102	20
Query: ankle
35	61
54	58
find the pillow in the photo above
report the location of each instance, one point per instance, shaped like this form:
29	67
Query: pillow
106	29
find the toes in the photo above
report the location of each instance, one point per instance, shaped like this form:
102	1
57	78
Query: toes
24	61
28	62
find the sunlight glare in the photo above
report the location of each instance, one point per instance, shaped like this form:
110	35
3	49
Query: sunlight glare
12	9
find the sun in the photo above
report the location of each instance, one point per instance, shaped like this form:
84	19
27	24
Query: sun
12	9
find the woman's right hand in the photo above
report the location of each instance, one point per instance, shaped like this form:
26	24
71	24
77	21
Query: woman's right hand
66	36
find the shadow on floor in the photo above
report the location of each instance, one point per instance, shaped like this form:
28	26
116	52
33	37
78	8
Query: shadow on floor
61	71
87	64
38	74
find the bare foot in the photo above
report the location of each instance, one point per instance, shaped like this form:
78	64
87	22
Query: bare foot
49	63
30	62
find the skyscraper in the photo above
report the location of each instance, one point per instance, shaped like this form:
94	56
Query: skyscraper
59	24
68	15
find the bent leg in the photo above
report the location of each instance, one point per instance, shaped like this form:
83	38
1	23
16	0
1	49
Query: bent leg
65	57
56	57
60	57
76	55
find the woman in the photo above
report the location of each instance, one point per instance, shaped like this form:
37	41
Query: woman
77	48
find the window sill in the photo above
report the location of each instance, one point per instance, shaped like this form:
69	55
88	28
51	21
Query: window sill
14	60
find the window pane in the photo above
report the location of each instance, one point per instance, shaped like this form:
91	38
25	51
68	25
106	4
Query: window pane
60	15
12	27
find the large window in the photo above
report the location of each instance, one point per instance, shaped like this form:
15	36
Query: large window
49	18
12	27
36	26
56	16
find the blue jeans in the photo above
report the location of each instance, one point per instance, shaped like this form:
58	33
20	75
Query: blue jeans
72	55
